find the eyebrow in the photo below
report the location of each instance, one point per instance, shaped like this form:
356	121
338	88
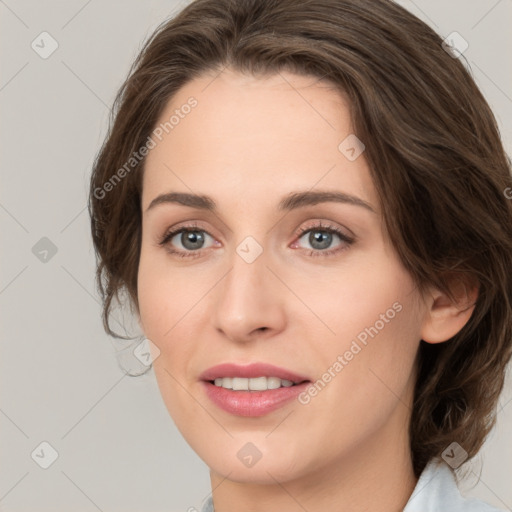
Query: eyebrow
292	201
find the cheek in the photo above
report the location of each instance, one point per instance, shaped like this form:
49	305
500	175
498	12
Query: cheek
387	325
375	373
362	299
152	302
382	342
164	300
374	325
169	304
163	294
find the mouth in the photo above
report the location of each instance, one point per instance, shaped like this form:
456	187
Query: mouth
252	390
253	383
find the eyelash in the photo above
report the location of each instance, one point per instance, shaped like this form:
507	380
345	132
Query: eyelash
299	233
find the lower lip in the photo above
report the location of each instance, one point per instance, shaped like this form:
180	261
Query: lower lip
252	403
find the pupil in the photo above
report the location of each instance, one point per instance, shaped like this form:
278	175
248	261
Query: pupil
192	238
323	238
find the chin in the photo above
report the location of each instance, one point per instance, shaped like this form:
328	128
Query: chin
262	469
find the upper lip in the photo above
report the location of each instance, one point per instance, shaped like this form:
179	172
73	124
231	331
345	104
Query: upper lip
251	370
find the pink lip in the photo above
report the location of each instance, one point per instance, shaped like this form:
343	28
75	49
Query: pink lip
250	370
251	403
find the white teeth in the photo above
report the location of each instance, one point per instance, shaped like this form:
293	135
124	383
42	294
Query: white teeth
253	384
240	384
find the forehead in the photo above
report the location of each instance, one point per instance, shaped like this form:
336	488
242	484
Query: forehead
248	135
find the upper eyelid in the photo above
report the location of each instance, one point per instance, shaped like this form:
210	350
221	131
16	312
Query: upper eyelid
322	225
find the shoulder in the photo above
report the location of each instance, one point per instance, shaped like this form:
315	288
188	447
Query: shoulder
437	490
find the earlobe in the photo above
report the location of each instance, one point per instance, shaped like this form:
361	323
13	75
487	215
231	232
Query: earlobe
445	317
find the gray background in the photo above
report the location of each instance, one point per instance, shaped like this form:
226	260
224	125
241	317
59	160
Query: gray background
118	449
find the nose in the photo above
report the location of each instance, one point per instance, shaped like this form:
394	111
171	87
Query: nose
249	302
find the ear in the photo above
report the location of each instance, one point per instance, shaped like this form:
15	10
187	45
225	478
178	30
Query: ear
445	317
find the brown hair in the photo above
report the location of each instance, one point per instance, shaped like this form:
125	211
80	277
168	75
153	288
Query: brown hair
432	144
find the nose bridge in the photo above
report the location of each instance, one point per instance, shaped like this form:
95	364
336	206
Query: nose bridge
249	298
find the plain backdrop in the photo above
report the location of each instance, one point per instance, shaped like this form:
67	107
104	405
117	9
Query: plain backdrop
61	382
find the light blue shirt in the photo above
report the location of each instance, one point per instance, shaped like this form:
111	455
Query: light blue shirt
435	491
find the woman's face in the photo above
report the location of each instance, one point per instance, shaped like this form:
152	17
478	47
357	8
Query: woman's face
270	275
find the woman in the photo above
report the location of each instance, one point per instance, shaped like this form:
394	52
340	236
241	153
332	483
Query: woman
307	205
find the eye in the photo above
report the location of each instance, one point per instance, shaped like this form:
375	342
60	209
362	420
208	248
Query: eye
320	237
191	238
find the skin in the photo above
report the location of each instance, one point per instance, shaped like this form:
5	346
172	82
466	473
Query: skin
248	143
